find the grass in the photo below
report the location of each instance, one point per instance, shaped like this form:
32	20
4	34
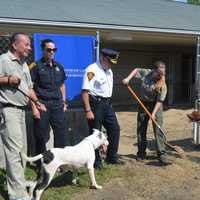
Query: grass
61	188
3	192
2	179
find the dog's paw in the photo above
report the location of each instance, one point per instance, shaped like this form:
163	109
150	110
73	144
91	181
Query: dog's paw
75	181
99	187
96	187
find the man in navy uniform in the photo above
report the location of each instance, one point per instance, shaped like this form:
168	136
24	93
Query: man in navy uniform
96	94
48	77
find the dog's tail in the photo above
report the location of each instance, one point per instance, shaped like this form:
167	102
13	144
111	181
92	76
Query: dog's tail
31	159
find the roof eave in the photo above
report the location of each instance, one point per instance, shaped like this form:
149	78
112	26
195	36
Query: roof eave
96	26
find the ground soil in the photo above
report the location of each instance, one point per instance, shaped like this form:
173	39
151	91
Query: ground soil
148	180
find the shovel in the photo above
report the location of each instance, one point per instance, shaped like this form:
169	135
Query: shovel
178	149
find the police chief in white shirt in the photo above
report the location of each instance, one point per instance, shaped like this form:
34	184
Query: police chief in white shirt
96	94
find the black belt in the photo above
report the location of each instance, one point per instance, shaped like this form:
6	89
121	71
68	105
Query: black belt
5	105
50	100
100	99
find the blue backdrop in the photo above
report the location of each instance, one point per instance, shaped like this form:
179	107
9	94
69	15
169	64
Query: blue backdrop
75	53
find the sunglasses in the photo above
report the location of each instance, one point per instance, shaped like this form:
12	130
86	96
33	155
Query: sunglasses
50	50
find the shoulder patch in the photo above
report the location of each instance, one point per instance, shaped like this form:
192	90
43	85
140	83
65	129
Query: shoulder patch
32	65
90	75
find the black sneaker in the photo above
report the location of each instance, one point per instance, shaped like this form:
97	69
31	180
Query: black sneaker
98	166
115	162
141	157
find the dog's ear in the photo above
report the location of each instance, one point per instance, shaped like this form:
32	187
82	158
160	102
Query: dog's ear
102	134
95	131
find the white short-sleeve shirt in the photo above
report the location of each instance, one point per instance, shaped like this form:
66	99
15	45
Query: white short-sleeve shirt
97	81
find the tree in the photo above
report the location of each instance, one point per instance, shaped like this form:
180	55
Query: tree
196	2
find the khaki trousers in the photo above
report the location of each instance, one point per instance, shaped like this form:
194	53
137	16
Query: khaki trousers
14	140
142	123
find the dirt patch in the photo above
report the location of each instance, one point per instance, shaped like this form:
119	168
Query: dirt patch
148	180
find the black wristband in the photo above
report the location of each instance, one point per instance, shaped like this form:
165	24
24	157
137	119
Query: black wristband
9	79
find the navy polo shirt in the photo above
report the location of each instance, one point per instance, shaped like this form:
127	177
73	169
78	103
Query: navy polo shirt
48	79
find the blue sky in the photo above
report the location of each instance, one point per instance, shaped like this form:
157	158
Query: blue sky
181	0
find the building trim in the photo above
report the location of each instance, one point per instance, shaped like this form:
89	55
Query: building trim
14	21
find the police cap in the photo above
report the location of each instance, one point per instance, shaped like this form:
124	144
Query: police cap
111	54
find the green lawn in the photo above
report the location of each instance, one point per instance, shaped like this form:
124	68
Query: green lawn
61	188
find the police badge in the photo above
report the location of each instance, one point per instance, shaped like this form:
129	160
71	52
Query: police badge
90	75
57	69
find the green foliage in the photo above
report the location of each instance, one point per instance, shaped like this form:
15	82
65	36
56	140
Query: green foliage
3	191
30	174
2	179
196	2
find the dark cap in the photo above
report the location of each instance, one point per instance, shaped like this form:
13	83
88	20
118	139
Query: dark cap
111	54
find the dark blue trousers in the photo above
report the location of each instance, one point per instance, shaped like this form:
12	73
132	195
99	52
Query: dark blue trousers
104	115
54	117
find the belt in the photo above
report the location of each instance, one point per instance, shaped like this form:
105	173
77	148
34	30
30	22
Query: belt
50	100
5	105
100	99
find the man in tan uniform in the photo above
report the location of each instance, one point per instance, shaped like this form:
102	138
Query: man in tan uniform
153	91
14	74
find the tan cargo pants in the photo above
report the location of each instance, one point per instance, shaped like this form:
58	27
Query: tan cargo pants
14	140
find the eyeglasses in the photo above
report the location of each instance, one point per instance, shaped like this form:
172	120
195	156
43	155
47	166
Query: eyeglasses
50	50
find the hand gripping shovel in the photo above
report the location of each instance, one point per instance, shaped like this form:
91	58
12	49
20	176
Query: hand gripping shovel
178	149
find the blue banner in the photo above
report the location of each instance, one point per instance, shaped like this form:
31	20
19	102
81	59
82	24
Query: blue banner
75	53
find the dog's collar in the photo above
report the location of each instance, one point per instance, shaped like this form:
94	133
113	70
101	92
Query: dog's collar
91	143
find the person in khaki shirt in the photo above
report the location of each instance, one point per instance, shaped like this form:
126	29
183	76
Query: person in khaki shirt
15	76
153	92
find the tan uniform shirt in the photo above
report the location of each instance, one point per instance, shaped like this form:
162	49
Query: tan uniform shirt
9	65
148	90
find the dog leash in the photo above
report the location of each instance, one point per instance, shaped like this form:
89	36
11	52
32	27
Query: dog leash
26	95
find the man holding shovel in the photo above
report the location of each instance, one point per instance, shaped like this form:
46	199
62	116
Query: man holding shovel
153	92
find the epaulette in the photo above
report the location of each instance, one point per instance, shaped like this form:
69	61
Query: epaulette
32	65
